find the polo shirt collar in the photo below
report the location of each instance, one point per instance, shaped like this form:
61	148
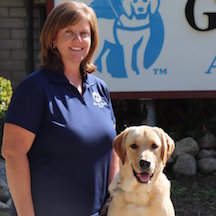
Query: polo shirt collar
59	77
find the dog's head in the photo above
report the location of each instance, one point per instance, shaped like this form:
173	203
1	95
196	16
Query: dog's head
145	150
140	7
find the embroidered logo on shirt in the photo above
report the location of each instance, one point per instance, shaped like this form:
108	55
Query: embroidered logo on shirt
98	100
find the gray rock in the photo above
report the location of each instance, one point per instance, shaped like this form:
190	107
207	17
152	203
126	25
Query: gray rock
4	191
185	165
4	209
186	145
207	165
207	153
170	161
208	141
2	170
9	203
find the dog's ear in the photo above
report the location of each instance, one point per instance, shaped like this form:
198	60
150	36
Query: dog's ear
167	147
127	7
154	4
119	145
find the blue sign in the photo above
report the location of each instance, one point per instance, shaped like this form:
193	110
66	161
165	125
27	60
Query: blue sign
131	36
156	46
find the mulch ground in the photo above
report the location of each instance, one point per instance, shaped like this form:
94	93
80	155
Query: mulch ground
194	195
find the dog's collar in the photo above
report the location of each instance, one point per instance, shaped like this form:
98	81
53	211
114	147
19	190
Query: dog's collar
118	188
132	28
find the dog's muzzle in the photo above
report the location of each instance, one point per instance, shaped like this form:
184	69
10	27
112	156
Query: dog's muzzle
145	176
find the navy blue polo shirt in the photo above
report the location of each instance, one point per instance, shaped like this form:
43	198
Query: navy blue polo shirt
70	156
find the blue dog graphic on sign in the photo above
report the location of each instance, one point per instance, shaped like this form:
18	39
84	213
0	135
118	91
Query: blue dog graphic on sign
131	36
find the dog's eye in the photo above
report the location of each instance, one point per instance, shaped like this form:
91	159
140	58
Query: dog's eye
154	146
134	146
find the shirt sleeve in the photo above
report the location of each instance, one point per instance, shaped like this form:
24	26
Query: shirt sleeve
111	108
106	92
26	108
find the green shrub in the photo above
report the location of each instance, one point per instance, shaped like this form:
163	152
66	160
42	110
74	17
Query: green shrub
5	96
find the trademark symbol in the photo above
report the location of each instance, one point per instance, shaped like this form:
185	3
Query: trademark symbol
160	71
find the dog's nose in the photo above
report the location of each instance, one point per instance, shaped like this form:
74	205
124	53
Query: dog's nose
140	9
144	164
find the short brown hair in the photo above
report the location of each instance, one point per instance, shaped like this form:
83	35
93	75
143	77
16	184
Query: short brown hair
61	16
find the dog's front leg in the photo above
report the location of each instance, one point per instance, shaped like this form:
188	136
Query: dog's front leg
141	52
128	45
128	58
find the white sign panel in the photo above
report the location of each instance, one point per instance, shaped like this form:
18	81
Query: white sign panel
153	45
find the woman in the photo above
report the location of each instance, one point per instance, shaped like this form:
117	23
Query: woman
59	128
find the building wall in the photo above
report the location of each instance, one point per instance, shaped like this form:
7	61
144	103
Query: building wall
13	38
39	18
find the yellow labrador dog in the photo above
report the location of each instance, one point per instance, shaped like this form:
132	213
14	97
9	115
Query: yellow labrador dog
140	188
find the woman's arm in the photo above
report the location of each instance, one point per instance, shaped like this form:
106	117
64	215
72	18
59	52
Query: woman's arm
17	141
114	167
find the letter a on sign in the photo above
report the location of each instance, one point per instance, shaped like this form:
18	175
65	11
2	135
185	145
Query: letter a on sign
212	66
